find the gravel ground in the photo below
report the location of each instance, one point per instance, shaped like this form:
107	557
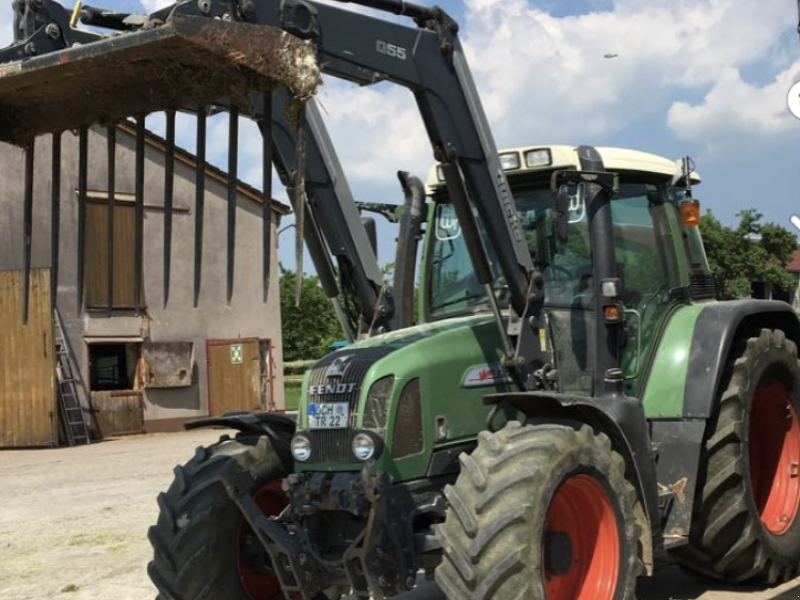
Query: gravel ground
73	524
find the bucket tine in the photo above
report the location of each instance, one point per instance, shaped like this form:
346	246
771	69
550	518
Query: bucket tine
30	152
200	191
266	198
138	252
299	192
55	216
83	170
169	191
233	163
111	149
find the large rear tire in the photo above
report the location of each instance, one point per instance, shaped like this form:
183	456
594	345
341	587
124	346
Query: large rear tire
203	547
540	512
745	525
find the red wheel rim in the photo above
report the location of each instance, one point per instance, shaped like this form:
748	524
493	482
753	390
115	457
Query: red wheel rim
260	586
581	512
774	453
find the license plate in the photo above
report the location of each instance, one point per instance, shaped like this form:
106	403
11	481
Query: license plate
328	415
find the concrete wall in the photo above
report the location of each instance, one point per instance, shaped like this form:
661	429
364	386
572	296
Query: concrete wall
246	316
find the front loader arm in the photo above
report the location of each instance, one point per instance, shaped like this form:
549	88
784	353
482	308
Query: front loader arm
334	212
430	62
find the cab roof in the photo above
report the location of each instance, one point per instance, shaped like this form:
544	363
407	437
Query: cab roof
566	157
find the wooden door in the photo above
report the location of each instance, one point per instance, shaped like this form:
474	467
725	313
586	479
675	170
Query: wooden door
118	412
27	366
234	376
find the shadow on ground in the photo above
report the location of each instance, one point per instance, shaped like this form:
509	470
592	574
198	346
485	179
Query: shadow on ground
668	583
672	583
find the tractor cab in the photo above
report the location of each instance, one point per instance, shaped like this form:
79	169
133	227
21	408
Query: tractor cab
658	255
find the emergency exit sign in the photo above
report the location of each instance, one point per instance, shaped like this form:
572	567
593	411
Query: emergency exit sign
236	354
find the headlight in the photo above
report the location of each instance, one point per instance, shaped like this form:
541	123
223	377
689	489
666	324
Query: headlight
366	445
509	161
538	158
301	448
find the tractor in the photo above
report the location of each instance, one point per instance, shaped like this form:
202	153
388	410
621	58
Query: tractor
660	419
571	398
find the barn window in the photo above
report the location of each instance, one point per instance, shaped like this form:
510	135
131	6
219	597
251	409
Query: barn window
114	365
96	272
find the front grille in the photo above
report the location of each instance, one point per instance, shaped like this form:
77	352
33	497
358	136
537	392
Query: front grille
407	438
330	446
333	445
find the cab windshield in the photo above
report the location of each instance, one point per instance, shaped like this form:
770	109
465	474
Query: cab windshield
566	268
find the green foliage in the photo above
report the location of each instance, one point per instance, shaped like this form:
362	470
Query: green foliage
308	329
754	251
292	388
388	272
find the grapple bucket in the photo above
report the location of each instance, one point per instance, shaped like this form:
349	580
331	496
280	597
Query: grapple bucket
185	63
188	63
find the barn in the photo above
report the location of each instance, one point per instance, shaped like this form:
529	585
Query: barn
176	354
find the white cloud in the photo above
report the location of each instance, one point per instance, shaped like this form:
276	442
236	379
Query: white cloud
544	78
375	132
683	66
735	116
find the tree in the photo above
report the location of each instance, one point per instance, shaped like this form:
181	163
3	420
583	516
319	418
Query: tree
308	329
753	251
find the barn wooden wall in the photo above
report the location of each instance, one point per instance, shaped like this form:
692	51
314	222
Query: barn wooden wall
27	367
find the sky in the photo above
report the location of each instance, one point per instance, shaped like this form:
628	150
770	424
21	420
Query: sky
704	78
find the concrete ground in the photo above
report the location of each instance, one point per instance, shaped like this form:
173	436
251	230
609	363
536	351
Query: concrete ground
73	525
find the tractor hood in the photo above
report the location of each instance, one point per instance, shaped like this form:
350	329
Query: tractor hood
420	388
410	335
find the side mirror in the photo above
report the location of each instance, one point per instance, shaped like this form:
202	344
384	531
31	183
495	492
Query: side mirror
683	172
561	213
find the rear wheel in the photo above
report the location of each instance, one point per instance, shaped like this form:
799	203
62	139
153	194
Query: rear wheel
746	523
203	547
540	512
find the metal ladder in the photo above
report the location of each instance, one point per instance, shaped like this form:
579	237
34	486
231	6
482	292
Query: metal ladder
70	410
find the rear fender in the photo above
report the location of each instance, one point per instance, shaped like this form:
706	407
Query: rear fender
717	327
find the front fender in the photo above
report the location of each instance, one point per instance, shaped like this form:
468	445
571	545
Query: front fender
278	428
620	417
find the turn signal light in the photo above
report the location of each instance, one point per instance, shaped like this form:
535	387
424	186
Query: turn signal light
612	313
690	213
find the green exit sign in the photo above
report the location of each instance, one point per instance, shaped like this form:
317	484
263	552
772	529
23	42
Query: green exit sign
236	354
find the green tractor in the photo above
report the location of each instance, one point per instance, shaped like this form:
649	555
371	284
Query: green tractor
571	398
660	418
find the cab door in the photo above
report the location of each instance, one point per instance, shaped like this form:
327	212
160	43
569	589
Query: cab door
644	249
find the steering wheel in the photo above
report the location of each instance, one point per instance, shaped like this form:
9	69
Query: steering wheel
553	268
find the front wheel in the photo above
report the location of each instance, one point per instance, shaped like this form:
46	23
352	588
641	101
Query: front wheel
540	512
203	547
